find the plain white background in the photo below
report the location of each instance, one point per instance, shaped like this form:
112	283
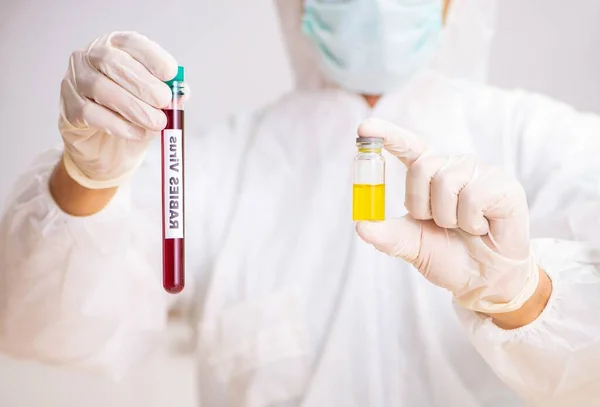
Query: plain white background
235	60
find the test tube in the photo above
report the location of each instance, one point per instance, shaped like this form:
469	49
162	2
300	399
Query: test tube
173	188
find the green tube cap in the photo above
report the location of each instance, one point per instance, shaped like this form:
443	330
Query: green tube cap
180	77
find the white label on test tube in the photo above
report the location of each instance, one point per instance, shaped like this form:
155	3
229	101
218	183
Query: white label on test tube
173	183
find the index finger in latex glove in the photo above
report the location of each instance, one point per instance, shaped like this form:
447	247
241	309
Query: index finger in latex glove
154	58
158	61
135	63
93	86
399	142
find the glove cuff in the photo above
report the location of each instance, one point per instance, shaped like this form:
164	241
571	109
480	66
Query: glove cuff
488	307
78	176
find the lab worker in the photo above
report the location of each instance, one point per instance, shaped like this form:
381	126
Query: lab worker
480	289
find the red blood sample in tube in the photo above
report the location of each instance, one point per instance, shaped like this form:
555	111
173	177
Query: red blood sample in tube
173	202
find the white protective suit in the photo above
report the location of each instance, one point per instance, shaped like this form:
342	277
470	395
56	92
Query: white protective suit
290	306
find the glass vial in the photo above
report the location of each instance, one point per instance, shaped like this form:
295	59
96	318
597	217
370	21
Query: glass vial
369	180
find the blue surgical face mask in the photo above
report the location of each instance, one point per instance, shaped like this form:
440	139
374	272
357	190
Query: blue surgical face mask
373	46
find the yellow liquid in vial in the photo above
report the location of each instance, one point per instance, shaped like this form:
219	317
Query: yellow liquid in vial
368	202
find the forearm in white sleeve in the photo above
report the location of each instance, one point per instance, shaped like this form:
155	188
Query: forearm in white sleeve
555	360
81	292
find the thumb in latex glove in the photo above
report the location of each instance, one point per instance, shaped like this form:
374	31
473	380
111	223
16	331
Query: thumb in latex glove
111	101
467	227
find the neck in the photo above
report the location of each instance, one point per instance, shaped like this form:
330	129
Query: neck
371	99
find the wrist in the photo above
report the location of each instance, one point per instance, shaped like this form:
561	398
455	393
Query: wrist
530	310
75	199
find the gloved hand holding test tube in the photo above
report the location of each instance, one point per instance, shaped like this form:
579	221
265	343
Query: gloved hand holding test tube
118	95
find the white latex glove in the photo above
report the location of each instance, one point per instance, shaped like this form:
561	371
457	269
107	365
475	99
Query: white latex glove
467	229
111	98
